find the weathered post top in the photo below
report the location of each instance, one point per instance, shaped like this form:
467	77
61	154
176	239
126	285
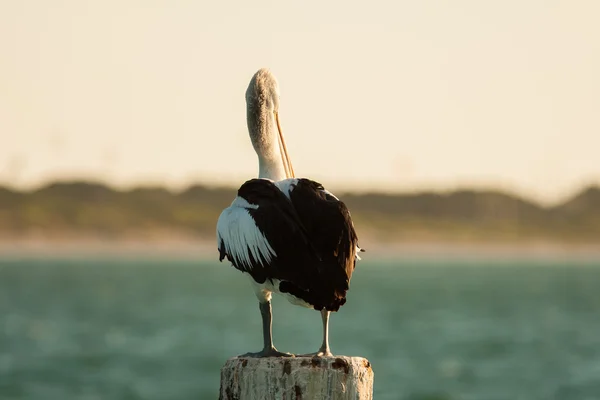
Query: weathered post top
297	378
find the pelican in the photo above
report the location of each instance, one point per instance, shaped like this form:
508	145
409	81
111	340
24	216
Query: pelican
289	235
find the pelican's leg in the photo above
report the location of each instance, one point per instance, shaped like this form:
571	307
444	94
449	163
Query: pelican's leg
268	350
324	351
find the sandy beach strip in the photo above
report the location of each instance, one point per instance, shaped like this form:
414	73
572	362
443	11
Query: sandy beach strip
190	248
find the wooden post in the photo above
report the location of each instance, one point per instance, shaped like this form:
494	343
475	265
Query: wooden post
297	378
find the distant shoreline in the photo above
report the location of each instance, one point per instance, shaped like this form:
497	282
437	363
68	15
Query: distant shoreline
92	218
203	249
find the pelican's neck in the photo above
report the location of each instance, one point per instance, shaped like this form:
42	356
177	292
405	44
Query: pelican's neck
270	169
265	139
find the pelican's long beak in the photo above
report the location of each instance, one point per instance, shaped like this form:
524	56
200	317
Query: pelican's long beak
287	163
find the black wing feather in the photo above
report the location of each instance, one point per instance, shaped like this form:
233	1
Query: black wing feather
329	225
295	259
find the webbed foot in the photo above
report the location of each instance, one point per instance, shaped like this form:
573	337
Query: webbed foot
268	352
323	352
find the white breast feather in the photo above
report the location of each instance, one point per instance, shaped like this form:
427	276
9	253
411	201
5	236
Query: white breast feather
286	185
241	236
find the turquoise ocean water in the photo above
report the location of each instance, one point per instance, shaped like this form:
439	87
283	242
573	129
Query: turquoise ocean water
110	329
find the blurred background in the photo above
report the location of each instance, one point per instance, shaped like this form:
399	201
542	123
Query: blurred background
462	135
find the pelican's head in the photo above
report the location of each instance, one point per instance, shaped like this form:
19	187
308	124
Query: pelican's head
262	113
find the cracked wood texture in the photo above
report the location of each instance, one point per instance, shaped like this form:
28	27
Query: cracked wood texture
297	378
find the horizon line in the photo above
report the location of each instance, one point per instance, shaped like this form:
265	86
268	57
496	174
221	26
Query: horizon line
343	188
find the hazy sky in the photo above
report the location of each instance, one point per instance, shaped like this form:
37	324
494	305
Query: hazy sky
394	95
